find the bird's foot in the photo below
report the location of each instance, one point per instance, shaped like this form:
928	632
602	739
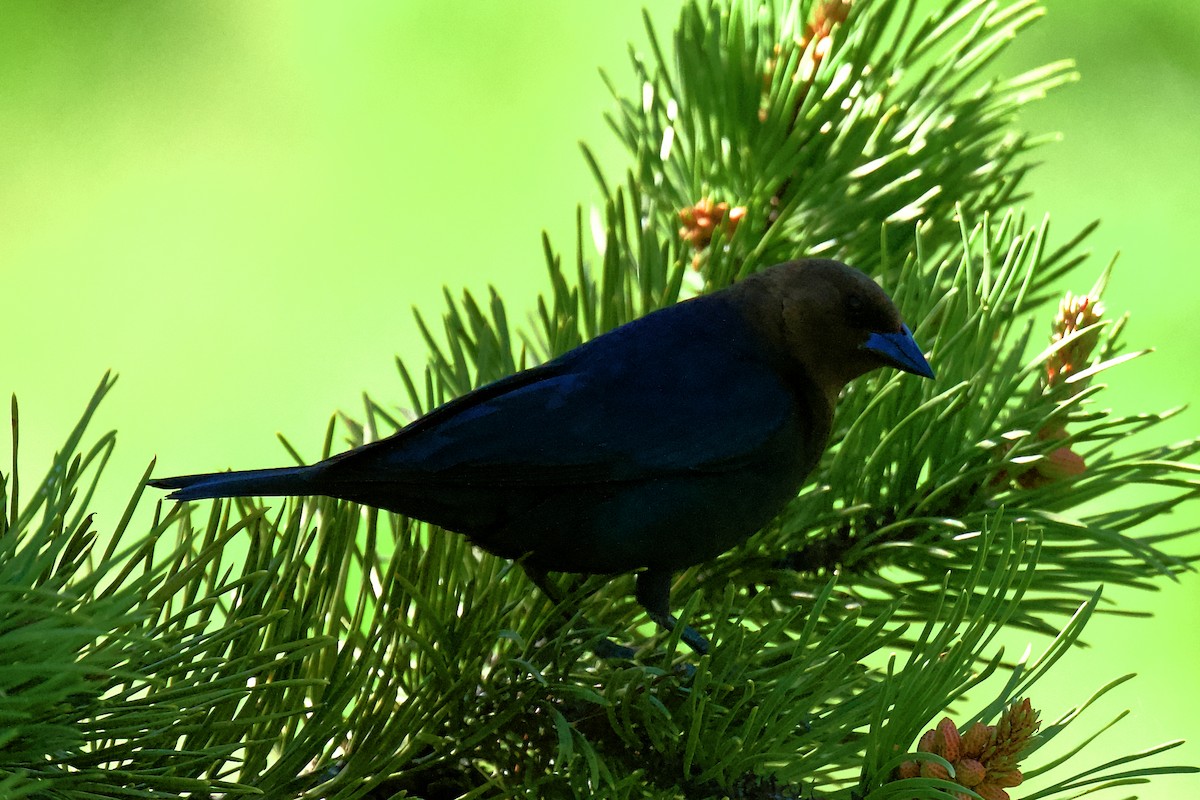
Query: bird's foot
694	640
653	591
686	671
609	650
687	634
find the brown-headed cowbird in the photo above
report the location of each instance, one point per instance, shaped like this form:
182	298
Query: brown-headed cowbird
653	447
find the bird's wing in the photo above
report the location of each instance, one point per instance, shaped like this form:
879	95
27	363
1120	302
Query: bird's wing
684	389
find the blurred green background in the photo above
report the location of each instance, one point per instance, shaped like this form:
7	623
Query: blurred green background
236	205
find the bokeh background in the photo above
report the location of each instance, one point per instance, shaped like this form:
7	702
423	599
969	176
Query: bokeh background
235	206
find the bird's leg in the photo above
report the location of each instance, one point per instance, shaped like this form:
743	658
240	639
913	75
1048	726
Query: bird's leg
654	593
605	648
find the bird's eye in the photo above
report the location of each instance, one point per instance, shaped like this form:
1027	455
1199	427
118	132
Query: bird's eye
856	306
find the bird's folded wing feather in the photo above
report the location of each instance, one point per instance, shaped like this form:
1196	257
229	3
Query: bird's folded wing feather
674	392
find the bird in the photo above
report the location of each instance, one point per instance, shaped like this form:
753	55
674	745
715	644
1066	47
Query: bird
655	446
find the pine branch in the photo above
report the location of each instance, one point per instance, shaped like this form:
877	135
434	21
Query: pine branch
313	648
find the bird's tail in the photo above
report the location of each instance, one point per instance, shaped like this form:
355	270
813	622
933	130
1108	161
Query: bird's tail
250	483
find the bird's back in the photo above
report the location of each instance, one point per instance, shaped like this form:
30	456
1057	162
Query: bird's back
672	426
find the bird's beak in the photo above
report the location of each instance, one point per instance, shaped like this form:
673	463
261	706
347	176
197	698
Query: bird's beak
899	350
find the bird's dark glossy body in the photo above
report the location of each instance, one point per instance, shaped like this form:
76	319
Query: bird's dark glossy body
656	446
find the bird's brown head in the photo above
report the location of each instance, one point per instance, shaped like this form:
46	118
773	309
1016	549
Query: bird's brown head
830	319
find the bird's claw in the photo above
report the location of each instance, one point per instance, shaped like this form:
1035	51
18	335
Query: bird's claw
607	649
687	634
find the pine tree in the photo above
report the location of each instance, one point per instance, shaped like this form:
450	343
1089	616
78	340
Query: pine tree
313	648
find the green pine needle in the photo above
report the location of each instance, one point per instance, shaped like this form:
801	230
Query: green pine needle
313	648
